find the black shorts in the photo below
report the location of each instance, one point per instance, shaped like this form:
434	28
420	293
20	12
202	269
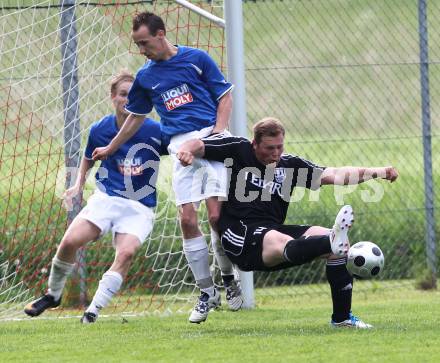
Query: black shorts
243	243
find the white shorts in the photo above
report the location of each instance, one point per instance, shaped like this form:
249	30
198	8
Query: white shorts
202	179
118	215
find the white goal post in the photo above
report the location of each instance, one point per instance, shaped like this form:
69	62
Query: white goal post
57	60
233	24
206	14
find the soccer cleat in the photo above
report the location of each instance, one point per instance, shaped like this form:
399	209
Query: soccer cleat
88	318
36	307
234	297
338	236
352	322
203	305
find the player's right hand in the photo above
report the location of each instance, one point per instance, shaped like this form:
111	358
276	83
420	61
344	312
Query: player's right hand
391	173
186	158
101	153
68	197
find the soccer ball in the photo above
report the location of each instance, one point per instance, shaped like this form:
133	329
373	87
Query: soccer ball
365	260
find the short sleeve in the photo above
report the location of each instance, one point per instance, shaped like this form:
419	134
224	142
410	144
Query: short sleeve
91	144
213	78
220	146
306	173
139	99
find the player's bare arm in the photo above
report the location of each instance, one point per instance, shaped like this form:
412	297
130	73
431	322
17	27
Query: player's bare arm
80	181
189	150
128	129
349	175
224	111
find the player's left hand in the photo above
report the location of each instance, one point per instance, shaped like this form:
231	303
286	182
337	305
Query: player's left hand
69	195
101	153
186	158
391	173
217	131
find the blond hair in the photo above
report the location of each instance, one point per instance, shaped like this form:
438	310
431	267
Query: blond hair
123	76
268	126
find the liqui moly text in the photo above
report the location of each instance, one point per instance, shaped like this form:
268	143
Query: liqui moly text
177	97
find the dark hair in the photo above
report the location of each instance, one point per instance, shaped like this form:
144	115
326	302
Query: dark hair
123	76
150	20
268	126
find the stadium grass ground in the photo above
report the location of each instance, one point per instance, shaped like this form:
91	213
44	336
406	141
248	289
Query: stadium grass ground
285	329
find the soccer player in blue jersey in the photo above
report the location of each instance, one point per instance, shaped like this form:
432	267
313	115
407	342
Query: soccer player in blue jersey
123	203
193	100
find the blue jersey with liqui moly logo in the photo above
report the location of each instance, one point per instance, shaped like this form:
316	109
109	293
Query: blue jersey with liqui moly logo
184	90
131	172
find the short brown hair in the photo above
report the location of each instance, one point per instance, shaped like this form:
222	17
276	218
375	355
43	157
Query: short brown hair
268	126
123	76
150	20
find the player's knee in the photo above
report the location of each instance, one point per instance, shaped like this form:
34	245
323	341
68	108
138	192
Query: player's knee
213	219
69	243
125	256
278	249
273	248
188	222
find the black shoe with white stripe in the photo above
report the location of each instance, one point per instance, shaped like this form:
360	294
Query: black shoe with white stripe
234	297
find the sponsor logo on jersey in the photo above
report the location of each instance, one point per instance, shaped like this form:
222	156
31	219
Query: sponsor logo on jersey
130	167
177	97
280	175
271	186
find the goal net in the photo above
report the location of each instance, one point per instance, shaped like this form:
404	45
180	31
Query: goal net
57	57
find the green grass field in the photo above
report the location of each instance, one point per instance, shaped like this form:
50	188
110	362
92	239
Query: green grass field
344	78
285	329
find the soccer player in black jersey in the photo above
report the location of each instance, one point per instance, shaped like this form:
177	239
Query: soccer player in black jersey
262	180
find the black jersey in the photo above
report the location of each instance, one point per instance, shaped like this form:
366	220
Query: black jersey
257	192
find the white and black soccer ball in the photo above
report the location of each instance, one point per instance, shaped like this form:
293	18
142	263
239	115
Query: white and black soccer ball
365	260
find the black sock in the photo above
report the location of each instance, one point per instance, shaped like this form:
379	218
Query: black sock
303	250
341	285
227	279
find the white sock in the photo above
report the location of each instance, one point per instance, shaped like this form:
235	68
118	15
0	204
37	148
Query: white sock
108	286
59	272
196	252
226	266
